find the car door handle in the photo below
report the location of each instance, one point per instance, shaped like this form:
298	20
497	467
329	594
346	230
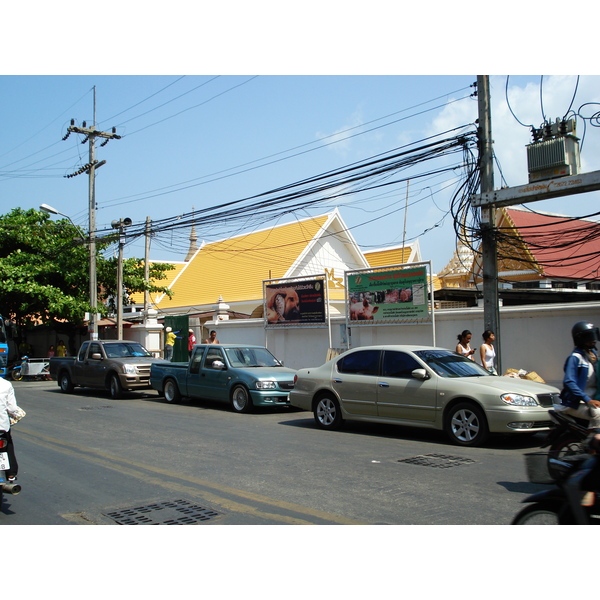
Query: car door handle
383	384
337	381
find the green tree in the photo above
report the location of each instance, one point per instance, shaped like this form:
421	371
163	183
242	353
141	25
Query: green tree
44	270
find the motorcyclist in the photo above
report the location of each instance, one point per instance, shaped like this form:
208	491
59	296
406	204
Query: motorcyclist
579	382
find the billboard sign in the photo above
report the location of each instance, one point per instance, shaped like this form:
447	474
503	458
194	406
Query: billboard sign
398	295
295	302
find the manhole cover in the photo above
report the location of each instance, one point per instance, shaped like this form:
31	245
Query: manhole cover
176	512
440	461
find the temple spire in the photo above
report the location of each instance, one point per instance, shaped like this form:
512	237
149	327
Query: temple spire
193	242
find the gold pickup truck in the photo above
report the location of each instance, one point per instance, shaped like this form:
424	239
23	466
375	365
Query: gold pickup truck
114	365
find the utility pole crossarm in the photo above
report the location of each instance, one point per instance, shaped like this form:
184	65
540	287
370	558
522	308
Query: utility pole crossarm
91	131
539	190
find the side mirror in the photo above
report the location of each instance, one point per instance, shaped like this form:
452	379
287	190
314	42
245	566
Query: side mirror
96	356
420	374
218	364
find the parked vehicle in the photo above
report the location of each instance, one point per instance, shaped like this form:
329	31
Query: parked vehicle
565	438
575	497
114	365
6	487
244	376
423	387
31	368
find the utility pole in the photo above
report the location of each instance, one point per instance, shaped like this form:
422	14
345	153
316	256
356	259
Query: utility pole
147	266
91	135
120	224
120	287
491	311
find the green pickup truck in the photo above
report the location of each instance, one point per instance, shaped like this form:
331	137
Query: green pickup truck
241	375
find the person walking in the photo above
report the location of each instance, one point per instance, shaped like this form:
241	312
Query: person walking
170	338
487	353
191	342
61	349
464	344
212	338
10	413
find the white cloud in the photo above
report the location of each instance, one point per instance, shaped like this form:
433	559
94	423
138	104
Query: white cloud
341	138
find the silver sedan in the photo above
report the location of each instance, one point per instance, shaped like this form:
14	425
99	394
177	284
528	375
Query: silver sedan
424	387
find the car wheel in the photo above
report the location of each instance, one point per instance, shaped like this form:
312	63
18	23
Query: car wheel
66	385
240	399
115	388
466	425
328	414
171	391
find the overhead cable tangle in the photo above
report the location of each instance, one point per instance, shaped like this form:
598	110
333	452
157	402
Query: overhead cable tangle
451	143
344	181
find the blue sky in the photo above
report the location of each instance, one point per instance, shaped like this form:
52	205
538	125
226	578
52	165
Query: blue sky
190	142
253	97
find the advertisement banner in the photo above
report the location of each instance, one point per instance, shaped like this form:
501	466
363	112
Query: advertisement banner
295	302
399	295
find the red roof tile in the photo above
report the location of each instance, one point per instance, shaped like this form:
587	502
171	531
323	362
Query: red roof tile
565	247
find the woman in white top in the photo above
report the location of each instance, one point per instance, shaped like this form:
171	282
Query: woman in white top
487	352
464	347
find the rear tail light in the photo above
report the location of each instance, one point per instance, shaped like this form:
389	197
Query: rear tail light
3	443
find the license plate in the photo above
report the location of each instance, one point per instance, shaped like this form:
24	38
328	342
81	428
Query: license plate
4	464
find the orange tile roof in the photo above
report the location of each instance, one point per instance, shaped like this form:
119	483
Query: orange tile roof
236	267
391	256
138	297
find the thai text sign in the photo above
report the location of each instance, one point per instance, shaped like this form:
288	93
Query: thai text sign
399	295
301	302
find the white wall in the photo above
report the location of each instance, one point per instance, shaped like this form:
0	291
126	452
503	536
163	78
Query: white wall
535	338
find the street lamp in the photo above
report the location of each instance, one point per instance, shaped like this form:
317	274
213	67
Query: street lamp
51	210
120	225
93	285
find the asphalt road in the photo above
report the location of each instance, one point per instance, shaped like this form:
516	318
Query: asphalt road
86	459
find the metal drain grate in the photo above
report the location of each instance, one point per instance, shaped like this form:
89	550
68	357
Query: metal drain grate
440	461
176	512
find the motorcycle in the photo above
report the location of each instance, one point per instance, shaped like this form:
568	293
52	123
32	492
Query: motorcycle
6	487
35	368
575	497
566	438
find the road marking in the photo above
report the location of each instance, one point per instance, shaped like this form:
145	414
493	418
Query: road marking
130	468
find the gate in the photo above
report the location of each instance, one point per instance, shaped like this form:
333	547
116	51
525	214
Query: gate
181	325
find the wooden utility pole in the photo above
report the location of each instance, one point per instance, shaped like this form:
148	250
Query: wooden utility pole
491	310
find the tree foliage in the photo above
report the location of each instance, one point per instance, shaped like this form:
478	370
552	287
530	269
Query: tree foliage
44	270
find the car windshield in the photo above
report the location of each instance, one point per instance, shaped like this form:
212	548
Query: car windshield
125	350
251	357
450	364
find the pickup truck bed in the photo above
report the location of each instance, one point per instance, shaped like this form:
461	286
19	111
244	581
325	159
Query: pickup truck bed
241	375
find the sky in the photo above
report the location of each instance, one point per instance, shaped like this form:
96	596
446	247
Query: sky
189	142
224	105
